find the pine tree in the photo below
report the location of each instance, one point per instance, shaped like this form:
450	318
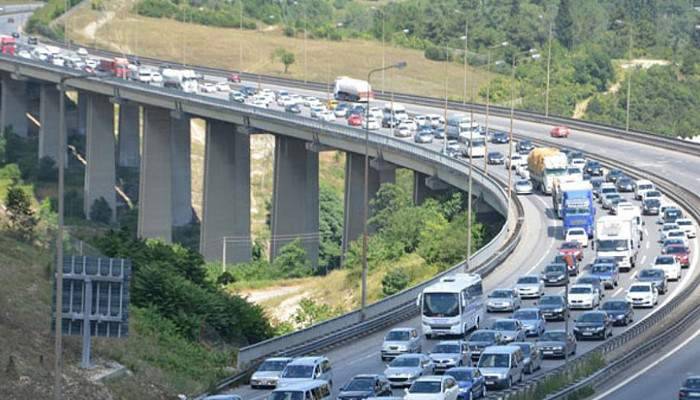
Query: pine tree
22	220
564	24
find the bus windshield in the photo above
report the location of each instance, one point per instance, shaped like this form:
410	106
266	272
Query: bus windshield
441	304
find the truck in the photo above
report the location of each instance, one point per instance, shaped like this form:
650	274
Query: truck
452	306
617	236
635	214
182	79
545	164
352	90
573	202
460	127
8	45
117	67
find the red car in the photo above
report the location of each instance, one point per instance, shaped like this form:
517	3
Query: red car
573	248
559	132
355	120
681	253
235	78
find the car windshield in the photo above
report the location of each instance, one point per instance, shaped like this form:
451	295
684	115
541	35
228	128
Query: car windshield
425	387
602	268
360	385
505	325
501	294
397	336
272	366
669	227
525	347
592	317
555	268
298	371
554	336
446	348
525	315
651	273
441	305
614	305
675	250
612	245
528	280
652	203
577	232
551	300
494	361
664	260
593	280
692	383
653	193
461	375
287	395
684	222
405	362
580	290
482	337
569	245
640	288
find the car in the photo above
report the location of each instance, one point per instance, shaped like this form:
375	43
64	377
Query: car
235	78
495	158
268	373
236	96
24	54
422	120
436	120
207	87
400	341
223	397
608	199
672	242
688	226
593	325
355	120
553	308
594	281
572	248
651	206
670	265
532	320
32	40
643	294
641	186
371	124
439	132
523	186
671	214
341	110
572	264
613	175
668	226
652	194
579	163
449	354
529	286
656	276
502	300
605	188
471	382
390	122
582	296
676	234
511	329
500	138
424	136
327	116
559	132
577	235
452	148
609	274
259	103
406	368
524	146
502	366
605	260
532	354
293	108
402	131
514	161
620	311
624	184
433	388
481	339
365	385
306	369
680	252
556	344
555	274
615	202
690	388
593	168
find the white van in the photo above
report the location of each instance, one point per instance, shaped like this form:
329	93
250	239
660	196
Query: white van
641	186
306	369
312	390
502	366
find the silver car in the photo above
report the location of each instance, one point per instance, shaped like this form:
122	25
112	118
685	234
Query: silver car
523	186
532	320
529	286
502	300
400	341
269	372
450	354
511	329
533	356
406	368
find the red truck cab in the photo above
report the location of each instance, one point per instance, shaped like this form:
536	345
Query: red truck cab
8	45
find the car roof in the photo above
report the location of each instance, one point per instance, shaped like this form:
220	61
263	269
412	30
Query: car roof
279	359
450	342
307	360
305	385
528	309
402	329
586	285
501	349
374	376
432	378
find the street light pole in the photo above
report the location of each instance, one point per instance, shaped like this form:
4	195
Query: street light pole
365	208
510	134
466	46
629	85
549	60
305	37
240	41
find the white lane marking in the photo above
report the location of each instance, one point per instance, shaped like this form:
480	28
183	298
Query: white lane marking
648	243
543	202
618	291
648	367
355	361
644	258
549	246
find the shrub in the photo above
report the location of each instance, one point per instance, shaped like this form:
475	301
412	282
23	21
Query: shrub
20	215
289	31
101	212
394	281
437	53
47	171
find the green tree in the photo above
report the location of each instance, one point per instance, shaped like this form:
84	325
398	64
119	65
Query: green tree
310	312
21	217
388	199
101	212
564	24
292	261
395	281
287	58
330	228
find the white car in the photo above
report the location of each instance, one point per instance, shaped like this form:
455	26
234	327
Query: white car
582	295
92	62
327	116
433	387
259	103
376	112
687	225
522	171
402	131
643	294
668	228
523	186
316	111
577	163
24	54
223	87
436	120
678	234
422	120
641	186
577	235
207	87
670	265
514	161
310	100
371	123
156	78
410	124
82	52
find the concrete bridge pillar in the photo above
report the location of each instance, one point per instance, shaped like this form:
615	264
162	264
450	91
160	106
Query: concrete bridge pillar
82	113
129	135
15	105
295	205
182	170
425	186
226	204
49	116
100	172
155	184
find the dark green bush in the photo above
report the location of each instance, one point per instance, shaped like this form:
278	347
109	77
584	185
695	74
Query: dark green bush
395	281
101	212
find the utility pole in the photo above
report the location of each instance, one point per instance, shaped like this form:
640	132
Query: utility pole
240	40
510	134
629	81
549	60
466	47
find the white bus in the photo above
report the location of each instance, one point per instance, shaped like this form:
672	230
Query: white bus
453	306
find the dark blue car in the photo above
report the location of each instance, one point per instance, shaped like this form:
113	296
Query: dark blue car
471	383
500	137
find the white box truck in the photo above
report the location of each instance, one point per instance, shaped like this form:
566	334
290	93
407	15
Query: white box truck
618	237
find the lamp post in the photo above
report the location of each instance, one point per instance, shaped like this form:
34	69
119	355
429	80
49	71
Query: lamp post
240	41
365	208
629	86
510	134
488	99
549	62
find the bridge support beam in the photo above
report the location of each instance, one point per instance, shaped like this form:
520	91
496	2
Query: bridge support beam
15	105
155	183
129	134
295	204
380	172
226	204
182	170
425	186
82	112
49	116
100	172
